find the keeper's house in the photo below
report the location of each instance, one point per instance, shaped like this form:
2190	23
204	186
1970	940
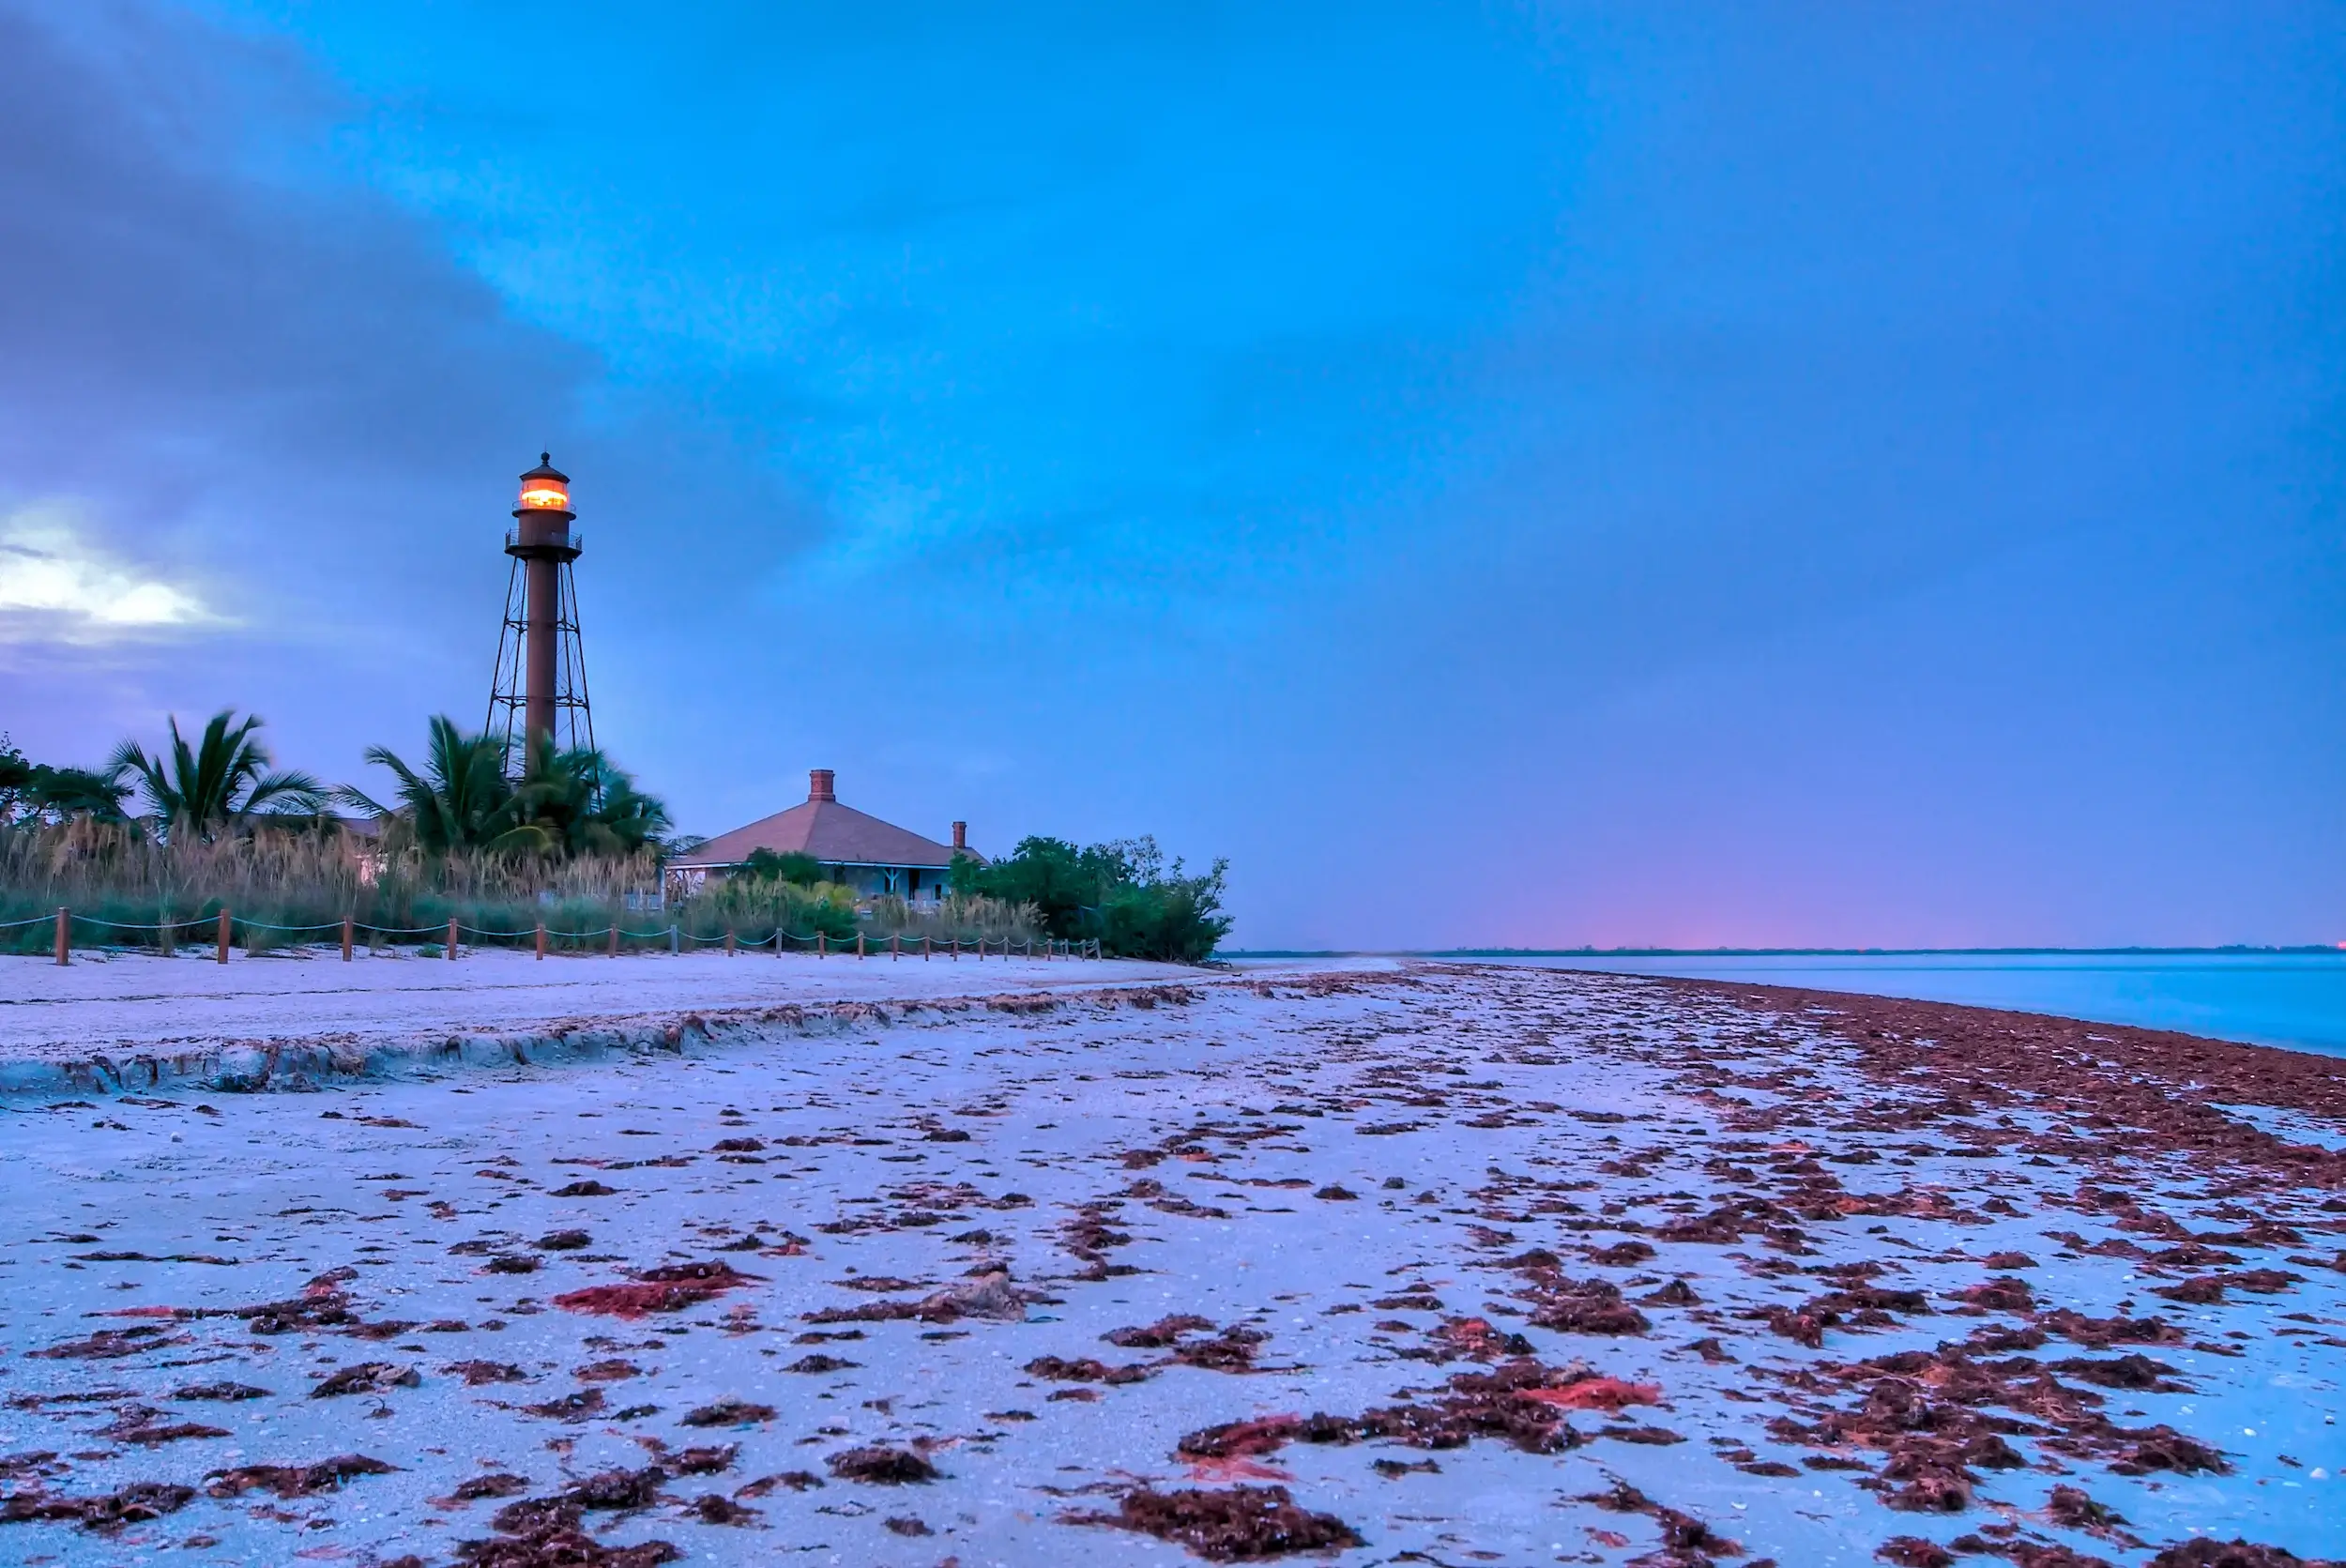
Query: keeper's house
875	858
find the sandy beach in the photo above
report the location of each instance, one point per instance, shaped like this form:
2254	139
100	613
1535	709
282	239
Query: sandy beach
727	1261
135	1018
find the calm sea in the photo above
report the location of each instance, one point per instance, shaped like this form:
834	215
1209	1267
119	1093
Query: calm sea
2268	999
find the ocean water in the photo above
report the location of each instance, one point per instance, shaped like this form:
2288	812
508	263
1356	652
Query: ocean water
2295	999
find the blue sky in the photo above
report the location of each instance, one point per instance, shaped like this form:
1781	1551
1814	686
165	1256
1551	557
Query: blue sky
1505	474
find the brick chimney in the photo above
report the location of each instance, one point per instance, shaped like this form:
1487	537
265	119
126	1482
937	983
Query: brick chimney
818	784
961	835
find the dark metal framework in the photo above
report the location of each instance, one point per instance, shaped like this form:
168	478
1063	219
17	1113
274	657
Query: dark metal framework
573	716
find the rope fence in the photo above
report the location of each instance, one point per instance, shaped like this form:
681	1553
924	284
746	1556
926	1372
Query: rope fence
223	926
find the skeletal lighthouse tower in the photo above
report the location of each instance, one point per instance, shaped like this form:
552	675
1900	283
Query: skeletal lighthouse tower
540	676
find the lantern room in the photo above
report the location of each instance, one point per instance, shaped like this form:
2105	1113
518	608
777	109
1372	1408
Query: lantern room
544	489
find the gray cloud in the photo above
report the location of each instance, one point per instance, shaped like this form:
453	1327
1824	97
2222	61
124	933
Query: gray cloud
253	381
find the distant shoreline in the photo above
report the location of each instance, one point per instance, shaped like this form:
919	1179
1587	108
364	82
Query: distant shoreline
2306	948
2288	997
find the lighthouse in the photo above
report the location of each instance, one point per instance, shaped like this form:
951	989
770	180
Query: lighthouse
539	689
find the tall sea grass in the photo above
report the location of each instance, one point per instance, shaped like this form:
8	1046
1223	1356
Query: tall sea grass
286	886
961	916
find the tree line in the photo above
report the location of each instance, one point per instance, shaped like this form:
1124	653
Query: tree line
466	831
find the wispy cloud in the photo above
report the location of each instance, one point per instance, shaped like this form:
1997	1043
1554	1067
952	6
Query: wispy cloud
59	583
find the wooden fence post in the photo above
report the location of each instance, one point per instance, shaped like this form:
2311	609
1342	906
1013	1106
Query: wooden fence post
858	944
895	945
542	938
957	950
614	938
348	922
65	934
729	941
224	933
451	938
822	943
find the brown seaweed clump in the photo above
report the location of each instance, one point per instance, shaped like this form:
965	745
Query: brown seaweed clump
219	1391
577	1406
671	1288
729	1412
294	1481
1058	1369
1242	1524
545	1532
618	1489
2204	1553
1587	1306
882	1466
1232	1350
111	1344
496	1483
1159	1335
366	1378
989	1296
138	1503
714	1508
1518	1402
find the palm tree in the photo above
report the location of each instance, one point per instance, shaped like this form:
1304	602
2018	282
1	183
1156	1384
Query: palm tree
461	801
79	792
579	801
635	820
220	782
566	802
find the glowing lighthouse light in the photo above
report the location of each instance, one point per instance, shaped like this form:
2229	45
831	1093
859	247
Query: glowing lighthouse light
544	488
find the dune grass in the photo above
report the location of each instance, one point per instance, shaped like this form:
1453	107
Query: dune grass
285	887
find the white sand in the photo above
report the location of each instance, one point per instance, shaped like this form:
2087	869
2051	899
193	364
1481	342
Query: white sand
1467	1116
140	1004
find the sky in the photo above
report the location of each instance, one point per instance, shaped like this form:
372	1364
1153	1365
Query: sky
1517	474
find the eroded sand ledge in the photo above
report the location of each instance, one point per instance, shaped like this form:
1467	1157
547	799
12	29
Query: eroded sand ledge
136	1022
1458	1264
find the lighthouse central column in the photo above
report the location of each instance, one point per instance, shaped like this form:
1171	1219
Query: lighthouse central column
542	650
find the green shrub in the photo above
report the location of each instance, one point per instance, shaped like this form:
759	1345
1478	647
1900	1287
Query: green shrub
1122	892
1172	919
793	866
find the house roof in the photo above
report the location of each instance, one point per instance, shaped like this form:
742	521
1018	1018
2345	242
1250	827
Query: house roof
833	833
